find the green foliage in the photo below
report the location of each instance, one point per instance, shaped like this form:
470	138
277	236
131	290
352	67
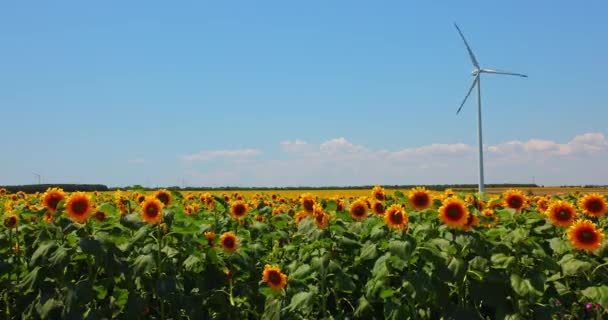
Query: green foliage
124	268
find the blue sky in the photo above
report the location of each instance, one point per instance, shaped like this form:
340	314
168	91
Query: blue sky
275	93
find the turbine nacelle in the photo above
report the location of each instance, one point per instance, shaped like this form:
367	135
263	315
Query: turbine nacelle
475	72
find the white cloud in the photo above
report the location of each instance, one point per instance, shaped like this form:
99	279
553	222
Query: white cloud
215	154
584	144
341	162
340	145
296	146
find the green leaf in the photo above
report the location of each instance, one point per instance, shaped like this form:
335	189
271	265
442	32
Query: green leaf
363	306
143	264
523	287
272	309
192	262
502	261
100	292
387	293
59	257
380	269
50	309
300	300
458	267
28	282
572	266
303	271
479	263
402	249
400	196
42	251
559	246
598	294
331	206
368	251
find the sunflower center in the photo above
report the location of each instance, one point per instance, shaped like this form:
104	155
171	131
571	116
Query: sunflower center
586	236
379	196
379	207
563	214
164	198
54	201
274	277
79	207
228	242
453	212
10	221
308	204
100	216
421	200
515	202
595	206
152	211
359	211
397	217
239	210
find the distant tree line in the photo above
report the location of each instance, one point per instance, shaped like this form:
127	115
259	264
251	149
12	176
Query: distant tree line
364	187
33	188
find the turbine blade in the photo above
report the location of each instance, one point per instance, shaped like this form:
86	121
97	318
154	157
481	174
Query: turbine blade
503	72
473	59
468	94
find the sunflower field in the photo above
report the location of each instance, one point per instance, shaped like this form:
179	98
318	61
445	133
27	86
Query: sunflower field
414	254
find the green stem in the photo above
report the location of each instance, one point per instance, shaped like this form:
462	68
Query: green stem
159	271
10	274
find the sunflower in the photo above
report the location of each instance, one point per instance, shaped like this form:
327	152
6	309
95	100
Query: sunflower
378	193
48	217
454	213
52	197
100	216
448	193
561	213
420	198
583	235
488	212
378	208
514	199
321	218
238	209
396	217
472	221
340	205
593	204
79	207
273	276
300	215
207	199
210	236
163	196
358	209
151	210
542	204
141	198
308	202
11	221
229	242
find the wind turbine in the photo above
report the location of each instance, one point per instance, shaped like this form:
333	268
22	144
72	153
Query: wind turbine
476	73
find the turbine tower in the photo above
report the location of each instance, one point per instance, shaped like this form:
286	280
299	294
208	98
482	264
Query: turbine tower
476	73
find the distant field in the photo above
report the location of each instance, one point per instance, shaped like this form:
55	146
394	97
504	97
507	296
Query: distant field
324	193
